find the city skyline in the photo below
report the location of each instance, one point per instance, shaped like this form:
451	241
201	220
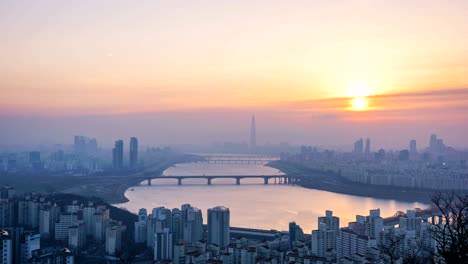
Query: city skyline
268	134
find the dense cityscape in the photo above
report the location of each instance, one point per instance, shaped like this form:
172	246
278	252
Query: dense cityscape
68	228
40	228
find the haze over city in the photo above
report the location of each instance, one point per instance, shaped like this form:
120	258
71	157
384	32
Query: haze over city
233	132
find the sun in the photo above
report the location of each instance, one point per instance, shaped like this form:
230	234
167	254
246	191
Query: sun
359	104
359	91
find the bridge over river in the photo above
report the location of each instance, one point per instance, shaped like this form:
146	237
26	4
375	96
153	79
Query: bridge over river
235	159
267	179
431	214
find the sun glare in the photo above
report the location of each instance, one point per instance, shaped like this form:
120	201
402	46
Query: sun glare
358	89
359	104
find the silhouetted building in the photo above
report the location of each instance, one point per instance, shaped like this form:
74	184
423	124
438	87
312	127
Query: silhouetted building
367	150
295	233
117	155
84	145
359	147
133	152
35	160
403	155
412	147
436	145
79	144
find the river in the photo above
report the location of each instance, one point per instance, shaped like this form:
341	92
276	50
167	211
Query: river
253	204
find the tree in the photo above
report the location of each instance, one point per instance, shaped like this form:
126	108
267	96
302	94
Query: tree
390	247
451	234
417	253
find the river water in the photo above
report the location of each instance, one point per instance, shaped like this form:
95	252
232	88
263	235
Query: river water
253	204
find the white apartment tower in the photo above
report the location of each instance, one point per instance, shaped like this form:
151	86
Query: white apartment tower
218	226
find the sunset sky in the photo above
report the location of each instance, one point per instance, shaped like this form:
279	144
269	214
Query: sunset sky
296	64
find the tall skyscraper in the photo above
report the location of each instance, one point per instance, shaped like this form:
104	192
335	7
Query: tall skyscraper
433	143
412	147
133	152
436	145
117	154
359	147
218	226
253	136
367	151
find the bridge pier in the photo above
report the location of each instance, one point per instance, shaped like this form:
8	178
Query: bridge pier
209	181
179	181
265	180
238	181
149	182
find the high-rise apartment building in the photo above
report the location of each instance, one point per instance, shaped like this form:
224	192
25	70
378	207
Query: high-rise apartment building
192	223
133	152
117	154
7	213
374	224
140	226
368	147
61	227
325	238
218	226
77	236
6	247
163	245
48	215
159	219
113	237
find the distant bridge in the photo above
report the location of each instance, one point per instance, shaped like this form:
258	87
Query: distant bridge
278	179
236	159
432	214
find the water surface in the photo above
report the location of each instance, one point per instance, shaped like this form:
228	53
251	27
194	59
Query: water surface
252	203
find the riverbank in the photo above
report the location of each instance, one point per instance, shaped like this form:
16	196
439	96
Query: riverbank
327	181
110	187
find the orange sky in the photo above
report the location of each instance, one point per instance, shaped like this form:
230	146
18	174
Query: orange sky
90	57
